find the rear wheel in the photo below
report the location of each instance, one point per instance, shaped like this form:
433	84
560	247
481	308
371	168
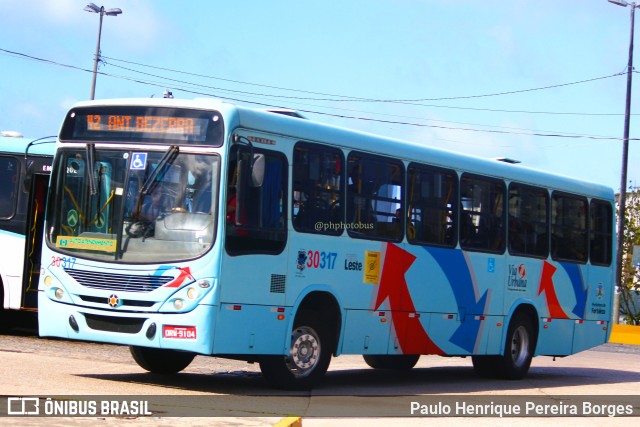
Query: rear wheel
308	359
399	362
518	352
160	360
519	348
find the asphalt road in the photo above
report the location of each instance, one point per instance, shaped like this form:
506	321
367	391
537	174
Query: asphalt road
235	393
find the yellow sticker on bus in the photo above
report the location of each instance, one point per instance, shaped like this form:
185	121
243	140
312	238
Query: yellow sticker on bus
371	272
88	243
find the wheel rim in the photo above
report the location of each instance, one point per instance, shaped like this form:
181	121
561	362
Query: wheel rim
304	353
520	346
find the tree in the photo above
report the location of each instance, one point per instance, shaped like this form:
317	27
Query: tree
630	276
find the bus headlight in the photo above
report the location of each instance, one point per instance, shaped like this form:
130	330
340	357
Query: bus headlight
188	297
192	293
59	293
48	281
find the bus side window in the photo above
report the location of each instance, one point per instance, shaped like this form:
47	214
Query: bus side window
8	183
318	189
482	215
432	195
528	221
374	196
601	234
256	213
569	228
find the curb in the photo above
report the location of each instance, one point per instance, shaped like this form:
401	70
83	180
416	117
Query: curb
625	334
289	422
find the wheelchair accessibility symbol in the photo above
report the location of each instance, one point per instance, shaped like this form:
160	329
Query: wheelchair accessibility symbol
138	161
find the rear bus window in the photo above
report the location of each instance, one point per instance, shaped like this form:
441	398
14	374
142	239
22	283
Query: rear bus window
601	232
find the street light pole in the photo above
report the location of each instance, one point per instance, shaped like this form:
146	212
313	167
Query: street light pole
101	11
622	200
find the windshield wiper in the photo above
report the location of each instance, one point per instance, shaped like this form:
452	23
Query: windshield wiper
152	180
91	156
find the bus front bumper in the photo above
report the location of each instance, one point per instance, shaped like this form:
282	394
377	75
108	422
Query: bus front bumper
191	331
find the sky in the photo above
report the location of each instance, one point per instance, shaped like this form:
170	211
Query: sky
540	81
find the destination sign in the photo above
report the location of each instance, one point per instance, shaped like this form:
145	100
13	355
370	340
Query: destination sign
153	124
138	124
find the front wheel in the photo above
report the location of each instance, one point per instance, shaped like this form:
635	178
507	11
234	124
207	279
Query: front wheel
161	361
308	359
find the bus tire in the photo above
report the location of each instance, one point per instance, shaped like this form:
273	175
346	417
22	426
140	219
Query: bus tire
308	360
397	362
160	360
518	348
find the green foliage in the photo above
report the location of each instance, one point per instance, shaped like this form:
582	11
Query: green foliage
630	278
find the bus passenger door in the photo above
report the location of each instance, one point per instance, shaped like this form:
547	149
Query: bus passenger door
254	265
33	246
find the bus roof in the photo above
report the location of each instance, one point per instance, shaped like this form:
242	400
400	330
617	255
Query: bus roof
312	131
45	147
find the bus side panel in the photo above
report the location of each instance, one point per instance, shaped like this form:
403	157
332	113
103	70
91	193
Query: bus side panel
522	283
251	329
589	334
254	279
11	264
494	328
555	337
443	327
594	330
600	293
365	332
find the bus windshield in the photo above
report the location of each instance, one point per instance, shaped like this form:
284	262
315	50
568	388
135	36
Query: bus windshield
134	206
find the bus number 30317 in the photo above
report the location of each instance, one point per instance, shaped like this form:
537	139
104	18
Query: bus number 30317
64	262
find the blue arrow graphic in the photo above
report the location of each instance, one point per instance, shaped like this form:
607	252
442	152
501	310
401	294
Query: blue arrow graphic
573	271
454	265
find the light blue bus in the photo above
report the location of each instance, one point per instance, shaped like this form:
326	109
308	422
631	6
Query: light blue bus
25	165
184	227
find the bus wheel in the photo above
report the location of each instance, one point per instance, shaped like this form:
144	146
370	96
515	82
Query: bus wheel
161	361
308	359
519	348
399	362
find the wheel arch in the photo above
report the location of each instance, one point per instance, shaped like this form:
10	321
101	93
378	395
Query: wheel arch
327	306
528	309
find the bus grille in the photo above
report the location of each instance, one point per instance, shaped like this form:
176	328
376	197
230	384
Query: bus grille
118	282
121	325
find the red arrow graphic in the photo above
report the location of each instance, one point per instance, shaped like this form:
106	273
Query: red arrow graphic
185	275
546	286
412	337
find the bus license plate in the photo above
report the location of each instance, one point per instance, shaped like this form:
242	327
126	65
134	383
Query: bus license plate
181	332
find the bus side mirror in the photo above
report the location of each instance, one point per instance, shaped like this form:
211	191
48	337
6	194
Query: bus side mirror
257	170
